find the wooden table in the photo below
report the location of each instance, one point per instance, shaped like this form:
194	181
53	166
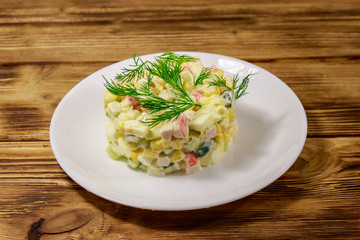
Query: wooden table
47	47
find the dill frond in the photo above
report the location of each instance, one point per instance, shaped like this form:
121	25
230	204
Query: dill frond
204	74
170	56
167	67
220	82
240	89
136	70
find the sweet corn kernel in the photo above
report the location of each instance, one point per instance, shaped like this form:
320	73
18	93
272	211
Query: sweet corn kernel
205	100
218	129
212	90
149	153
156	145
219	139
109	97
159	87
176	144
176	156
229	81
232	115
134	157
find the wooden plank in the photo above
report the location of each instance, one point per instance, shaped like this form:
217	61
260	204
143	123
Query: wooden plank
320	191
258	31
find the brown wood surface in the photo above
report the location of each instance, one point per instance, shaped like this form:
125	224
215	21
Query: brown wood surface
47	47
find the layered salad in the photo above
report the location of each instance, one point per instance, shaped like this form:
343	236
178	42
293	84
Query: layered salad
171	114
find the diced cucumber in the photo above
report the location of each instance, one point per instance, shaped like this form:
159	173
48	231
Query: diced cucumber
228	96
205	148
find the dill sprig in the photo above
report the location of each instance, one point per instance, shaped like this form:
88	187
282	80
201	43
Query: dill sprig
164	111
170	56
204	74
240	89
170	71
167	67
136	71
160	109
220	82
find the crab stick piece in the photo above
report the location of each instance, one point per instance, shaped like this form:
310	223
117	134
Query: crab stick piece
210	133
181	128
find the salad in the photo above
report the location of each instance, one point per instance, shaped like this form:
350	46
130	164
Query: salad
172	114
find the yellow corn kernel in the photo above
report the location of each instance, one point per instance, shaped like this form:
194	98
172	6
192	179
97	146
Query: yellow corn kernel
165	144
156	145
212	90
149	153
204	100
221	110
134	157
232	115
229	81
109	97
219	139
226	135
182	165
218	129
176	144
188	86
176	156
159	87
159	144
218	72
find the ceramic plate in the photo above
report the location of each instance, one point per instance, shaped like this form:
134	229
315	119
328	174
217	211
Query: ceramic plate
272	133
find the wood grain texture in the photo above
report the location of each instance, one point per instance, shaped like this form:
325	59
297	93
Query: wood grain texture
320	191
47	47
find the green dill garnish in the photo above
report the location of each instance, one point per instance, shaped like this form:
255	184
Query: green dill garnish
169	71
204	74
167	67
240	89
170	56
220	82
136	70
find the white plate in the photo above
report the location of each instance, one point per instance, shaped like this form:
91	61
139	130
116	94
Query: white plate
272	133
